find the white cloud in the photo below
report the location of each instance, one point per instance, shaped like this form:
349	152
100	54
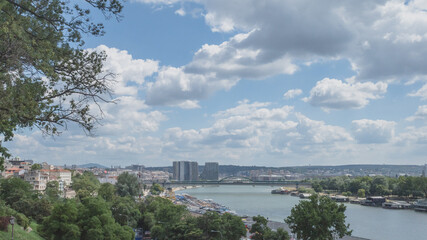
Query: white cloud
421	113
422	93
180	12
373	131
412	136
292	93
251	129
335	94
130	72
383	40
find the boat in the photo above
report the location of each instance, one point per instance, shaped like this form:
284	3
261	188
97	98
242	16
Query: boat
339	198
304	195
420	205
280	191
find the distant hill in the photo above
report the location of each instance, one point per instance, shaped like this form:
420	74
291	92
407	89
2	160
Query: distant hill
91	165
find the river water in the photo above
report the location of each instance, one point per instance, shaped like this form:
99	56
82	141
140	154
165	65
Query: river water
368	222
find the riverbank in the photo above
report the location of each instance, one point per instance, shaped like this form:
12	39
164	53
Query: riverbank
368	222
197	207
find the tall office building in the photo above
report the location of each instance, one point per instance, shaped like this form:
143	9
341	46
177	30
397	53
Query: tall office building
185	171
210	172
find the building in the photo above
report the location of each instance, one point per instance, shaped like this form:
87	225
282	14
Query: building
185	171
136	167
210	172
59	175
38	179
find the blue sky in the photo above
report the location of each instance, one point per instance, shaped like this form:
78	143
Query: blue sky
276	83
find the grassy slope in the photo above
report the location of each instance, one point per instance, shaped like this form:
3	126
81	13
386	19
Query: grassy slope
20	234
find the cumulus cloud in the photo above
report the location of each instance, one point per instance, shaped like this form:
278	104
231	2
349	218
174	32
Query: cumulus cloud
413	135
422	93
421	113
292	93
256	128
335	94
130	72
383	40
368	131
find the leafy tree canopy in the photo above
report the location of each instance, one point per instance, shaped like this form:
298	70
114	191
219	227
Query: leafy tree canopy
86	182
36	166
318	218
127	185
13	189
47	79
106	191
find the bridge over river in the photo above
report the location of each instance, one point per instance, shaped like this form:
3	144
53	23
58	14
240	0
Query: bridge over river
237	181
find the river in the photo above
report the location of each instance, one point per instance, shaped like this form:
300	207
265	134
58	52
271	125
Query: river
368	222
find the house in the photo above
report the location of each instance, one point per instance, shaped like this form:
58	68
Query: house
59	175
37	179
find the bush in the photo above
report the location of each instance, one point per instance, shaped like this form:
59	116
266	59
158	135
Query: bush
22	220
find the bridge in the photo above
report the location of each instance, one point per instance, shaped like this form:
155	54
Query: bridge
236	181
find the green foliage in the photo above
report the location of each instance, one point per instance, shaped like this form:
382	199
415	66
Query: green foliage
403	186
260	230
34	208
306	190
127	185
361	193
232	227
86	183
125	211
52	190
13	189
106	191
156	189
61	224
347	194
22	220
47	79
36	166
90	219
316	186
21	234
319	218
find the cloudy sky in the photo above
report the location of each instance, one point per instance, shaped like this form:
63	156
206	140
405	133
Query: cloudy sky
276	83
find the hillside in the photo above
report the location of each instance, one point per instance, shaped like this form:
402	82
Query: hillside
20	234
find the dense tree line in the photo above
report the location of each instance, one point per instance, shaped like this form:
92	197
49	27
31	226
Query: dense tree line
106	211
404	186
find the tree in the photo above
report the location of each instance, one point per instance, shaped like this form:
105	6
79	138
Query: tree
47	79
127	185
13	189
260	230
52	190
125	211
318	218
361	193
36	166
156	189
86	182
106	191
61	224
232	227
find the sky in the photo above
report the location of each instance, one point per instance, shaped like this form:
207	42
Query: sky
250	82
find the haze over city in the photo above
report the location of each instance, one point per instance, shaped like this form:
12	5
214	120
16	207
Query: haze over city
275	83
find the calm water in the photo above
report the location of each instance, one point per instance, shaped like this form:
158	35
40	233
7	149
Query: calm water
368	222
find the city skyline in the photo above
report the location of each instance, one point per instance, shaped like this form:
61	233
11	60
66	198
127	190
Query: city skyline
286	83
